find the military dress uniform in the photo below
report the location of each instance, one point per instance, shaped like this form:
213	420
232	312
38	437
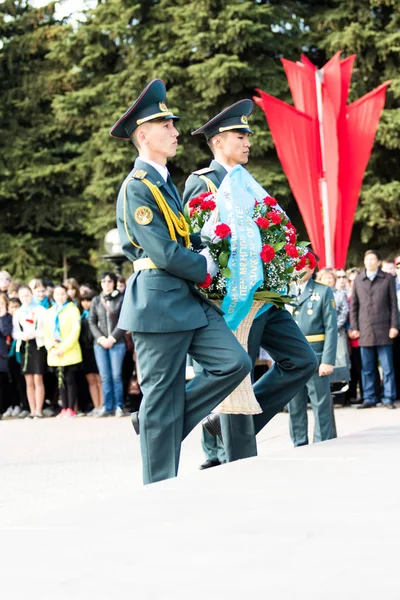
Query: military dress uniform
315	313
274	330
168	316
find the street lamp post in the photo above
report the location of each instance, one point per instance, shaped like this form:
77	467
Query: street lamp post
112	245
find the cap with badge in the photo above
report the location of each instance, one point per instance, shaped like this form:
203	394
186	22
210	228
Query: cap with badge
233	118
149	106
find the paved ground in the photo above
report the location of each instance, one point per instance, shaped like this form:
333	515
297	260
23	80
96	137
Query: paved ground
75	521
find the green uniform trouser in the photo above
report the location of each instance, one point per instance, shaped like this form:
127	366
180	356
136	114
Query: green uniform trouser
169	409
212	447
319	391
295	362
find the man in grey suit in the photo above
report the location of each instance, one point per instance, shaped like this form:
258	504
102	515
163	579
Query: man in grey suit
167	314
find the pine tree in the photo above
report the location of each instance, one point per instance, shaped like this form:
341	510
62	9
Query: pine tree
39	191
210	53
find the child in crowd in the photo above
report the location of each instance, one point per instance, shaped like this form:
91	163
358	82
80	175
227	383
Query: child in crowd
13	289
89	365
61	333
109	348
19	406
121	284
28	323
72	287
5	335
39	292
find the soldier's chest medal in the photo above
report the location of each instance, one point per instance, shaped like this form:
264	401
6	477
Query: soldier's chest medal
143	215
310	307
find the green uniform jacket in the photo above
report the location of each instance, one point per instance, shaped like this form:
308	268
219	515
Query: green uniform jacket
315	314
158	300
195	185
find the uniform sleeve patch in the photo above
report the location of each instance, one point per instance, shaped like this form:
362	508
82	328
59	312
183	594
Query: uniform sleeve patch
333	304
143	215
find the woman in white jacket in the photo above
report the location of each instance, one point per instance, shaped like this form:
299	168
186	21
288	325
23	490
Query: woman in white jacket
28	322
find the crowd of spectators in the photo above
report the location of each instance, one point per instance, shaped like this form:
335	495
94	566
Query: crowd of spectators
61	351
368	305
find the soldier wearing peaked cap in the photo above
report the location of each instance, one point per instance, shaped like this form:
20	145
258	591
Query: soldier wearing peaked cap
168	316
228	136
316	315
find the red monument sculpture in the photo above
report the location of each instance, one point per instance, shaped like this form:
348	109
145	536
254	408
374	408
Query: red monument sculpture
324	146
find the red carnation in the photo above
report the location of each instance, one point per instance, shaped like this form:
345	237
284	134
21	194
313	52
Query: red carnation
267	253
262	222
301	264
256	203
270	201
197	201
222	230
291	227
206	283
291	236
312	263
275	217
291	250
207	205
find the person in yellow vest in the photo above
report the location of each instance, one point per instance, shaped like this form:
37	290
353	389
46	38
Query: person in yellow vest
62	327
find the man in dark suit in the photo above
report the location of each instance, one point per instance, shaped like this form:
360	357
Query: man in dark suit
168	316
374	322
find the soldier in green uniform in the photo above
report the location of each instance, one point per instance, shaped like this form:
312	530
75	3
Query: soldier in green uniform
316	315
168	316
228	136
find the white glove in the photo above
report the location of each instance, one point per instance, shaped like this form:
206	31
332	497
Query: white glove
207	231
212	267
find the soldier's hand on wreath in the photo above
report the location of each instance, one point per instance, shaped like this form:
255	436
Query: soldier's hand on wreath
212	267
207	231
325	370
393	333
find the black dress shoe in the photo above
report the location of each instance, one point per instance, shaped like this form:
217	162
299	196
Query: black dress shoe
135	422
212	425
208	464
366	405
390	405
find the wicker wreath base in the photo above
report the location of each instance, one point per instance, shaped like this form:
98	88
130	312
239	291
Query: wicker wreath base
242	400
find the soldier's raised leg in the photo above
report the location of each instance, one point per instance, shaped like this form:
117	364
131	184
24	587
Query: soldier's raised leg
224	365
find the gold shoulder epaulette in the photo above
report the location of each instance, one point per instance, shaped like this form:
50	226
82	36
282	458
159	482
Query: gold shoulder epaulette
203	171
139	174
320	283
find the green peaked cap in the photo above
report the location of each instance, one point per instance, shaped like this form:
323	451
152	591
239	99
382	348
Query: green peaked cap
233	118
149	106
